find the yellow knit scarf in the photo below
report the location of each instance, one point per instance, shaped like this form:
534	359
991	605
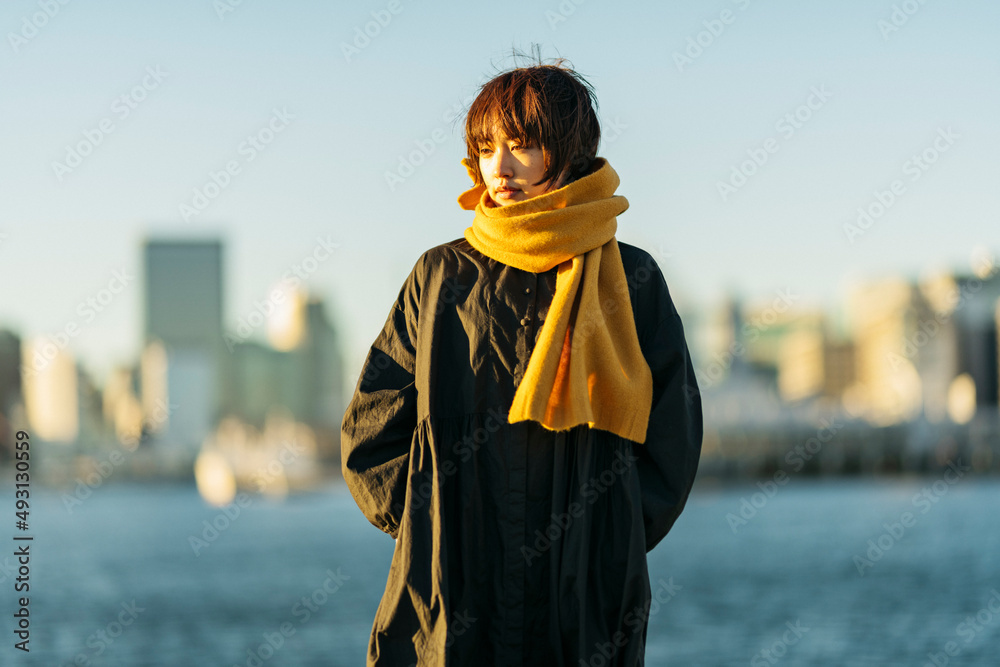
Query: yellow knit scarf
587	366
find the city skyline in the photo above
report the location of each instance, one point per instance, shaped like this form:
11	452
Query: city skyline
922	353
762	146
252	325
185	287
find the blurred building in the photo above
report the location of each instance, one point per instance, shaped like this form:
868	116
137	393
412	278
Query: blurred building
11	402
739	378
184	362
10	370
62	402
714	334
122	408
800	356
51	398
889	351
839	367
325	409
922	350
303	376
976	327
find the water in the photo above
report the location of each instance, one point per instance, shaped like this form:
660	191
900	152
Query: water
733	593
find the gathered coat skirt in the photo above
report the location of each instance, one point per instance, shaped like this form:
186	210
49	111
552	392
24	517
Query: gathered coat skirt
515	545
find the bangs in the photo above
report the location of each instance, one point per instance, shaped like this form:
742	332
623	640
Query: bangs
509	112
547	107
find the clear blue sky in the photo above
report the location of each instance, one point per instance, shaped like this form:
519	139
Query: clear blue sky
675	132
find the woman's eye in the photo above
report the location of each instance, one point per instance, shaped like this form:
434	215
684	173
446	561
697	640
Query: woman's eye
484	151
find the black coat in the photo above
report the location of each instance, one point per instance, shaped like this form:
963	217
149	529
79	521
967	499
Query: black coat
515	545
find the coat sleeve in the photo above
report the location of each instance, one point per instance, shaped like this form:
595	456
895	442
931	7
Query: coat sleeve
381	417
668	460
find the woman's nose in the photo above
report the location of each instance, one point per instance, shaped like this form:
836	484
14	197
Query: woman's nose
503	166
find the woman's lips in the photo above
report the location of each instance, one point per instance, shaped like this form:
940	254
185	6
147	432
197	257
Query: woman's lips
506	193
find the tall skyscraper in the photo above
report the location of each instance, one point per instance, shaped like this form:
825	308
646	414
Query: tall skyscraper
183	314
183	292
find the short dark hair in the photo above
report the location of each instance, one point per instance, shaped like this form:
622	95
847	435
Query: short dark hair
548	106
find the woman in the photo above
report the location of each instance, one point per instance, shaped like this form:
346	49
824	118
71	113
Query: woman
527	425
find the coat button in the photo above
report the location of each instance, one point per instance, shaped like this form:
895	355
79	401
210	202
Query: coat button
525	321
527	290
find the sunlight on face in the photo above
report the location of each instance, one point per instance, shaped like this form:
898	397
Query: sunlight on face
510	170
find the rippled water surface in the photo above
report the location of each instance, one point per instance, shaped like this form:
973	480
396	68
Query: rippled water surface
740	587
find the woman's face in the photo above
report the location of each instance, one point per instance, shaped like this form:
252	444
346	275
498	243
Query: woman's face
510	170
